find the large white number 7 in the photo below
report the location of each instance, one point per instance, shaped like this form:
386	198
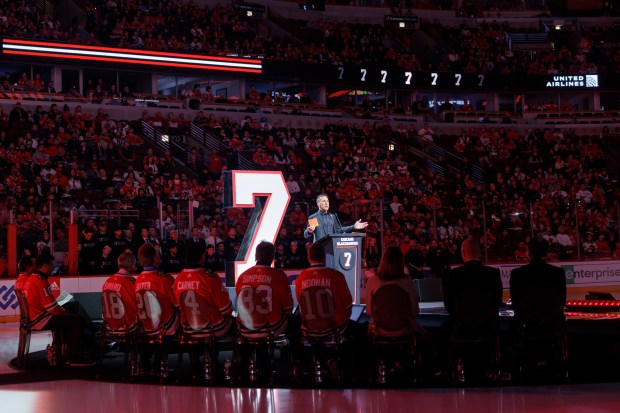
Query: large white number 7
246	186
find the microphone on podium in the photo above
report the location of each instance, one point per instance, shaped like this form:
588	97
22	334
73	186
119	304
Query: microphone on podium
339	224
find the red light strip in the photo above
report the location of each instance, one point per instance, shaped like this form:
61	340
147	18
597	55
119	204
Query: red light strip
107	54
119	60
592	316
130	51
593	303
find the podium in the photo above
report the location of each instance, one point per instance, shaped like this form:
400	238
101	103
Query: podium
344	254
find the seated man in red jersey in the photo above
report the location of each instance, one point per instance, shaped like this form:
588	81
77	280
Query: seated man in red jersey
315	287
119	296
46	314
194	285
25	266
152	281
264	299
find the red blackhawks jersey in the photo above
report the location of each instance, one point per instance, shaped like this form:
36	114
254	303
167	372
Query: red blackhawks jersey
203	300
264	301
324	299
152	317
20	283
41	302
119	302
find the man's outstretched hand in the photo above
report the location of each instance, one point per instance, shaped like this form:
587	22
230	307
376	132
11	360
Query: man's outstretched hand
360	225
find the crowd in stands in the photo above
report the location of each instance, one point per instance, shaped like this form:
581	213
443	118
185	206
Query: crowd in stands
470	47
547	181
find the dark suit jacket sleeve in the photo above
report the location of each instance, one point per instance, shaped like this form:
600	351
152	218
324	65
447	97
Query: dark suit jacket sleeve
328	225
499	288
561	274
448	290
515	291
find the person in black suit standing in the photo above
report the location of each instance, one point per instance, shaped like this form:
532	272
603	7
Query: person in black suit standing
538	285
328	223
472	274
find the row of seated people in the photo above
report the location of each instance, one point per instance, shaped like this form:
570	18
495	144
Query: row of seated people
339	42
586	153
150	304
100	245
195	96
317	150
24	83
196	305
484	48
447	231
465	8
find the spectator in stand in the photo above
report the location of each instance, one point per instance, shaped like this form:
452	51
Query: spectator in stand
187	91
197	237
171	261
88	253
584	195
208	95
280	158
520	253
437	259
446	106
18	115
466	106
105	263
565	242
296	256
292	185
589	246
298	217
281	257
425	133
602	246
254	94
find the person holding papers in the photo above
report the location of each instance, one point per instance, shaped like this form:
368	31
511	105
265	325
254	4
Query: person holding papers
322	223
46	314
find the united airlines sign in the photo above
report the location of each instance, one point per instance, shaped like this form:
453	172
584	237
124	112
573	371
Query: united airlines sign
572	81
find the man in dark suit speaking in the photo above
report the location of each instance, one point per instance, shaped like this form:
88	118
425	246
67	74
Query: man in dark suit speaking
322	223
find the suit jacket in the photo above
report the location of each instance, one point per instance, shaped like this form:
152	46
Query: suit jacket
537	274
472	274
200	240
328	225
